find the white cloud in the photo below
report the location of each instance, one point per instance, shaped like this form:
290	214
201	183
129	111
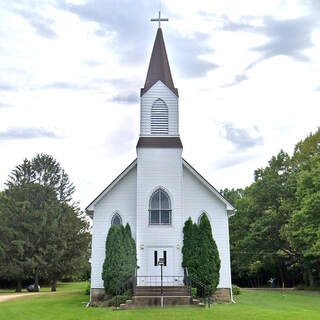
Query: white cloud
74	69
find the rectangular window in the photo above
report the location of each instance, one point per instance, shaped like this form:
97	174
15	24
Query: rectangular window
165	257
156	258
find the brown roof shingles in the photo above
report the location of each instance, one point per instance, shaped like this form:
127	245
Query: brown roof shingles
159	68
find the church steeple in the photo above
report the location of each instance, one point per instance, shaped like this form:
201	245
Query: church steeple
159	68
159	101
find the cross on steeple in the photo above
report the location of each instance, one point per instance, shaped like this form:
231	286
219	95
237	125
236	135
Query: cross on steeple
159	19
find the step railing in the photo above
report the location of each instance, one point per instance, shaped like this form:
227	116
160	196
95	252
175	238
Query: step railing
203	290
128	284
155	281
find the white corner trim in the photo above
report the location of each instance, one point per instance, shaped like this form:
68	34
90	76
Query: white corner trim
230	208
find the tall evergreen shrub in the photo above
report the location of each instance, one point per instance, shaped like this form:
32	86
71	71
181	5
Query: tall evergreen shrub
200	253
120	261
209	260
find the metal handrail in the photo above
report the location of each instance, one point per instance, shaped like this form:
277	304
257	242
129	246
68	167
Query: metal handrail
129	283
189	279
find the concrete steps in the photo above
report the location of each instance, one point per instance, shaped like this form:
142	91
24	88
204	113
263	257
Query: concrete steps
151	297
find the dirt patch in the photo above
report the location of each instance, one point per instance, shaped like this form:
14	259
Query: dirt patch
15	296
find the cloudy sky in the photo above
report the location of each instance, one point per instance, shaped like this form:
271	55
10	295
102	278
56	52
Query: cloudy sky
71	70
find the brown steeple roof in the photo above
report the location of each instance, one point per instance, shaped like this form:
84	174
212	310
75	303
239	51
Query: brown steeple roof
159	68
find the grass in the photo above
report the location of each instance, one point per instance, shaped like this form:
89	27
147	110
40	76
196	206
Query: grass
69	304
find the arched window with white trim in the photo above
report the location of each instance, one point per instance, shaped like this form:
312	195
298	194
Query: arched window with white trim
116	220
160	208
159	118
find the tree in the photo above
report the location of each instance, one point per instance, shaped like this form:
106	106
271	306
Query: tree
209	269
27	211
13	247
45	170
47	235
190	248
275	231
304	226
67	250
120	260
131	250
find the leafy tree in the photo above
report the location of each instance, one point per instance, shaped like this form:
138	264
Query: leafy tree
275	231
120	260
304	226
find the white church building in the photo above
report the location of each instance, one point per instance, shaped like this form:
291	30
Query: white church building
159	190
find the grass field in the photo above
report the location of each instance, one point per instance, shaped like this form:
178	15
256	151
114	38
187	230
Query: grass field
69	304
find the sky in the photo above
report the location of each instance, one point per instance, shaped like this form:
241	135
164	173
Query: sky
71	71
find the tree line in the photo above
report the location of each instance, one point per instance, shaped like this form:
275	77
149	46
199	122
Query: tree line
276	230
42	233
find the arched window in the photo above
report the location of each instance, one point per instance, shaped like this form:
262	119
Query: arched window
116	220
159	117
160	208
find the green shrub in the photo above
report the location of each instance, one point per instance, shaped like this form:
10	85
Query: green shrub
194	292
235	290
121	299
121	259
200	254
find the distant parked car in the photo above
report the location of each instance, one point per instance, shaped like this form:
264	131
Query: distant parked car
30	288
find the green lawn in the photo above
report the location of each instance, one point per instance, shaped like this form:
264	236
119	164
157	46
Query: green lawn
69	304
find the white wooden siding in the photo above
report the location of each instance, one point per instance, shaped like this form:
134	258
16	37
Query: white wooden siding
159	91
196	199
159	168
121	199
130	198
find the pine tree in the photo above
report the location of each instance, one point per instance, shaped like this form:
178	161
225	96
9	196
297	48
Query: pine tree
209	269
131	250
190	249
120	261
41	234
200	254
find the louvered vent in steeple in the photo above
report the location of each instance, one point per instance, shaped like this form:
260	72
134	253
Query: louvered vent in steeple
159	118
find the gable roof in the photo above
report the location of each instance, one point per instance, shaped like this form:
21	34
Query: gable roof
230	208
89	208
159	68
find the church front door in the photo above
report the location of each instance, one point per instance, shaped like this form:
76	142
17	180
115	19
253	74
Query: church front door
154	270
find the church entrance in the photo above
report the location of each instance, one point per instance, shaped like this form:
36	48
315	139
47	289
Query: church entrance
154	269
